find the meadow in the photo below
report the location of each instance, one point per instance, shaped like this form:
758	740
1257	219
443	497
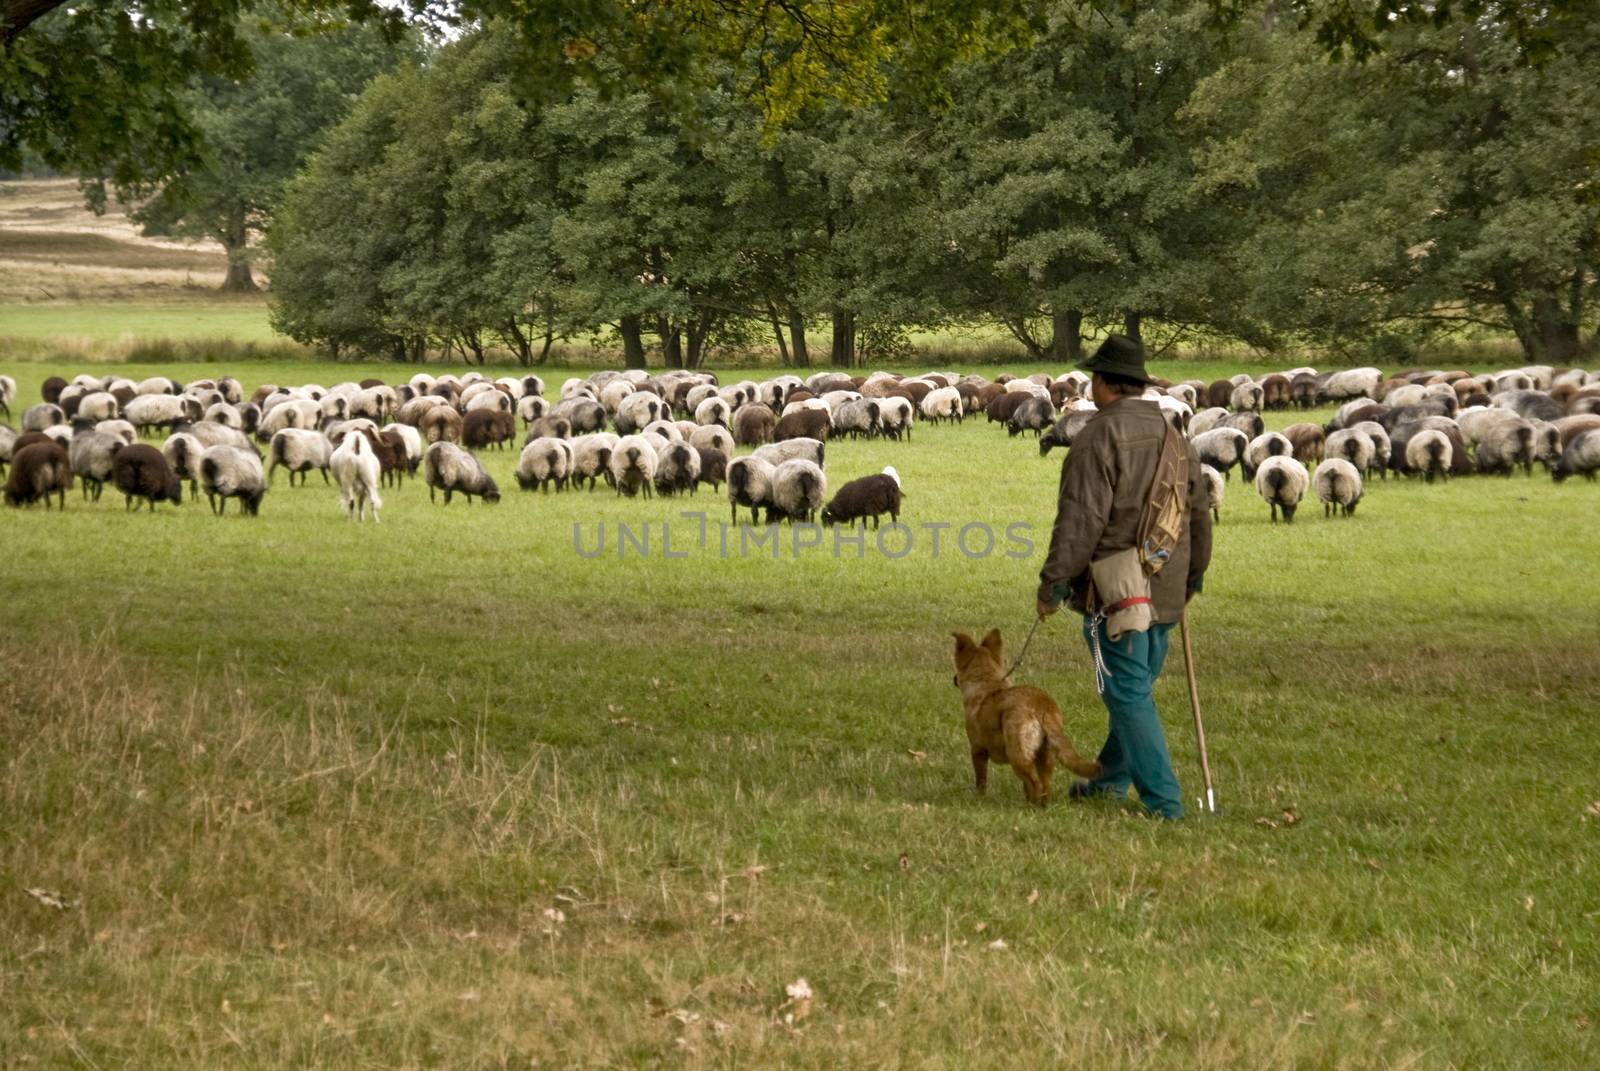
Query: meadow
444	792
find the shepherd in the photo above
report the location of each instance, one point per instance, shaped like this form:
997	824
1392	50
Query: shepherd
1130	547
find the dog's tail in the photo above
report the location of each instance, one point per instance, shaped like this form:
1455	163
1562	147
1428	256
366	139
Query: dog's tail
1068	756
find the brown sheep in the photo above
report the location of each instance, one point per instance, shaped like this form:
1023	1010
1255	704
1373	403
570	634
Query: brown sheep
999	411
870	496
38	471
140	471
440	424
487	427
753	424
1307	440
1567	427
1275	391
916	388
986	394
1303	390
1219	393
803	424
50	390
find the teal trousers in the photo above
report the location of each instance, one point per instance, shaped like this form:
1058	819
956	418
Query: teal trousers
1136	748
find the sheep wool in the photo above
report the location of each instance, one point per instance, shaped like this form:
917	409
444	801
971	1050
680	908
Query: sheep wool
1429	452
38	471
447	467
229	472
1281	481
355	465
798	487
1338	486
1215	489
543	462
677	469
141	471
633	466
749	484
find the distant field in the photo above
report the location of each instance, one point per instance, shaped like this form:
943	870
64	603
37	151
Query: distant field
100	322
445	792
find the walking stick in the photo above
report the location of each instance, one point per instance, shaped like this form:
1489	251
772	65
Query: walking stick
1210	803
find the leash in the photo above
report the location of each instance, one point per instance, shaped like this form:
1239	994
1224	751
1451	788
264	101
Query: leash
1036	622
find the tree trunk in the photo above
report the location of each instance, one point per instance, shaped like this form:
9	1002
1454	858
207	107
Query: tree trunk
1131	324
671	342
1558	331
519	344
699	330
629	327
844	339
235	240
777	331
797	338
1066	335
1019	331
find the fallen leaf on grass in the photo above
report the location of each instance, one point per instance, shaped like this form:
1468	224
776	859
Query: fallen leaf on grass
555	914
798	1006
1592	811
1267	822
918	755
1527	903
1033	897
754	872
979	927
1291	816
998	945
52	899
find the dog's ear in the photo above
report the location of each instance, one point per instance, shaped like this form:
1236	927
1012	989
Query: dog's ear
963	642
991	643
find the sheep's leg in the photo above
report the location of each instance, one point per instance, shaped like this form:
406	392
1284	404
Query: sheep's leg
1216	516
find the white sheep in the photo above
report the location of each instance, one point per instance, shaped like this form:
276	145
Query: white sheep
41	416
749	484
677	469
447	467
896	417
531	407
8	394
296	449
1267	444
544	461
1430	453
591	458
811	450
92	455
637	411
1338	486
229	472
857	418
1354	383
798	490
1382	446
633	465
355	465
1215	489
1281	481
1247	397
614	393
1505	445
1206	419
1353	446
944	403
1222	449
98	406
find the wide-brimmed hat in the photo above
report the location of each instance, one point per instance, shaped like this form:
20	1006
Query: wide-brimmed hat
1119	355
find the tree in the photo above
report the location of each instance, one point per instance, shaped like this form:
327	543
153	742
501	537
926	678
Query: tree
256	132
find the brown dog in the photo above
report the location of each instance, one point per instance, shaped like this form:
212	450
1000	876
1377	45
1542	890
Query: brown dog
1011	723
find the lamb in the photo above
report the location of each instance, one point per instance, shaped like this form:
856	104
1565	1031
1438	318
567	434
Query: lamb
1338	486
712	437
41	416
677	469
753	424
1580	457
1222	449
1505	445
93	455
300	452
803	424
229	472
1429	452
140	471
633	465
447	467
868	496
944	403
1215	488
591	458
1035	415
1268	444
811	450
482	428
798	486
713	466
749	484
1247	397
544	461
1281	481
38	470
355	465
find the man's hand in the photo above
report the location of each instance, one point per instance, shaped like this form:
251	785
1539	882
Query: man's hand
1045	609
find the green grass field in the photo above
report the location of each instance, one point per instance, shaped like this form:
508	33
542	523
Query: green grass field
440	792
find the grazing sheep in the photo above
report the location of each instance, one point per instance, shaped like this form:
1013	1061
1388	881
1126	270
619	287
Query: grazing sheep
798	487
229	472
1281	481
1566	428
98	406
1546	443
441	424
944	403
633	466
1504	446
60	434
544	461
713	410
1580	457
38	470
482	428
677	469
375	403
93	456
1429	452
753	424
447	467
490	399
299	451
584	414
811	450
1222	449
1308	440
1353	383
870	496
713	466
1215	488
1035	415
712	437
749	484
1353	446
666	430
224	414
1268	444
355	465
638	410
1206	420
410	439
803	424
1276	391
1249	423
140	471
337	430
1065	430
530	408
895	418
1247	397
1382	449
591	458
1530	404
1338	486
1000	409
1304	388
549	427
412	411
41	416
8	445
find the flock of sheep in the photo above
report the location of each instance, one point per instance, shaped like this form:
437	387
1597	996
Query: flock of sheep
671	432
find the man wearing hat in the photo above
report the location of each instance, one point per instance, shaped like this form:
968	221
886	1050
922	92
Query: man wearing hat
1105	483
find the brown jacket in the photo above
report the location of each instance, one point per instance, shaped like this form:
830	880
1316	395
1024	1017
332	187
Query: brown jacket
1104	484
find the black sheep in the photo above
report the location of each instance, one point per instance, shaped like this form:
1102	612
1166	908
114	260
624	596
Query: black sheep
139	471
867	497
713	466
803	424
38	471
